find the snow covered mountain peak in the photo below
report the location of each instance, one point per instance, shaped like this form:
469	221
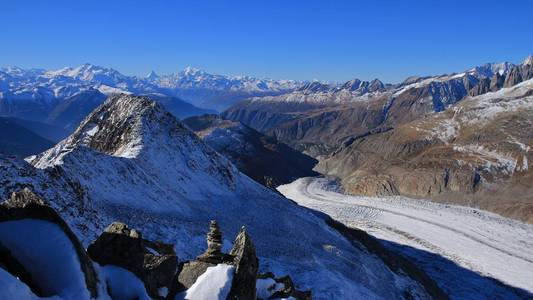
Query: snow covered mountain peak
89	72
152	75
528	60
126	125
191	71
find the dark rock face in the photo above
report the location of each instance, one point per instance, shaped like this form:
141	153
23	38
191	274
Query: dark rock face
26	205
514	77
121	246
246	267
124	247
496	82
315	87
482	87
518	74
261	157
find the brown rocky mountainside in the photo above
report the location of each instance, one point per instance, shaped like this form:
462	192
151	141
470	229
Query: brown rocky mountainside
461	138
317	119
475	153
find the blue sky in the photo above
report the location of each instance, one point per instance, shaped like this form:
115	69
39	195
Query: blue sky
325	40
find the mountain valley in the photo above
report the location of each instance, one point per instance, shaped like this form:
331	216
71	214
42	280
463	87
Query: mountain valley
333	183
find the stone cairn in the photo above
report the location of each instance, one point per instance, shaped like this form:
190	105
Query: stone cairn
213	254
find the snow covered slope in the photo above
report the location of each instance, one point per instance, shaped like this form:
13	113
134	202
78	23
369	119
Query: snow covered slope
461	248
131	161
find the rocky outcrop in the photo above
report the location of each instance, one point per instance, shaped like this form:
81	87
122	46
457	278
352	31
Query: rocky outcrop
482	87
246	267
153	262
518	74
281	288
243	257
188	274
26	206
191	270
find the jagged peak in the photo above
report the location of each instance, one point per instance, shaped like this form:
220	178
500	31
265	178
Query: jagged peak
124	125
192	71
152	75
353	84
315	86
528	60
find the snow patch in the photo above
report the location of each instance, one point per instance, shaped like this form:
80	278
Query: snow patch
267	287
48	255
13	288
123	284
214	283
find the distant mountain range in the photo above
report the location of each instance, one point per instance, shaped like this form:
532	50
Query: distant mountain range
318	117
200	88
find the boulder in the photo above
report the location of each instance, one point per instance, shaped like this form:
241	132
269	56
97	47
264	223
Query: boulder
120	246
154	263
189	272
25	205
246	267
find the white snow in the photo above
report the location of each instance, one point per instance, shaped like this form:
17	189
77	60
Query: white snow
12	288
267	287
123	284
48	255
108	90
214	283
475	240
493	160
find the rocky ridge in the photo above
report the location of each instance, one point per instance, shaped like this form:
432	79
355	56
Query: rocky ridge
319	120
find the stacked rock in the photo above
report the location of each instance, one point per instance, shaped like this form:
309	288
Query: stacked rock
213	254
